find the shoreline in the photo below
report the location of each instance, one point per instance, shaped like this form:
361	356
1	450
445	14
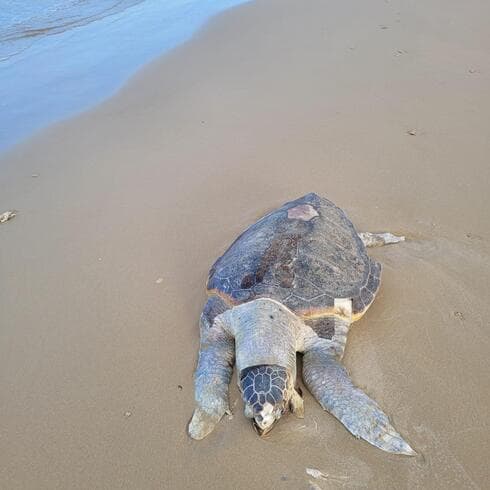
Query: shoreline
50	78
103	268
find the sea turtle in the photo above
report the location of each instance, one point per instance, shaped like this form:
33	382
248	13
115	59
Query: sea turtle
292	282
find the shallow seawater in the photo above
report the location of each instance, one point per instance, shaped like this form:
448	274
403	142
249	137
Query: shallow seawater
60	57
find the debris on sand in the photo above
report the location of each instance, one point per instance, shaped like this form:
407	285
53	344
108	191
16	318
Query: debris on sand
8	215
412	132
458	315
318	475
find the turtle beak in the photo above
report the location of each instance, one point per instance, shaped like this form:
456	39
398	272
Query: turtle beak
262	431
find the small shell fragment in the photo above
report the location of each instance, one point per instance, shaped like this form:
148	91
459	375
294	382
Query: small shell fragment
159	280
8	215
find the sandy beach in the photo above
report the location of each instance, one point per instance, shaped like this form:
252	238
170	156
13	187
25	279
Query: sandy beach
384	108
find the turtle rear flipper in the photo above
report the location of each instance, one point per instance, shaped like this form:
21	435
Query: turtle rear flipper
379	239
330	384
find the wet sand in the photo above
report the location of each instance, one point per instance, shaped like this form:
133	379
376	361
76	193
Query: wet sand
270	101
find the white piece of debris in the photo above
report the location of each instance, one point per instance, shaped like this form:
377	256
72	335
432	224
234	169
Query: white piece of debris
317	474
379	239
8	215
159	280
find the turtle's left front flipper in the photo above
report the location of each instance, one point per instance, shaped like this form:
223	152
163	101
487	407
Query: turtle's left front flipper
212	378
330	384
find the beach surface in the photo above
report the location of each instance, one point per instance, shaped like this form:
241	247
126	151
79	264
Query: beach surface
384	108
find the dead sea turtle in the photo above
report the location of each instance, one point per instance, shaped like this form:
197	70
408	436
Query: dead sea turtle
292	282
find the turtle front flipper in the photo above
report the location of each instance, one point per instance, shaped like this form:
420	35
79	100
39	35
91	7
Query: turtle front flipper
212	378
330	384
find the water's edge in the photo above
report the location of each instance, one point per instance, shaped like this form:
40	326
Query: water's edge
63	74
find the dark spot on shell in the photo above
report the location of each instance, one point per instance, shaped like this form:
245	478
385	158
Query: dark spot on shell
271	317
262	398
257	407
278	259
248	281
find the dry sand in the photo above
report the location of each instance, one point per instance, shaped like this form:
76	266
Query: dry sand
272	100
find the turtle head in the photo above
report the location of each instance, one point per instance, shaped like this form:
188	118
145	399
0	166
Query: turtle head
266	392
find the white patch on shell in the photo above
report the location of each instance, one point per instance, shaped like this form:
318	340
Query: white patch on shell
343	307
305	212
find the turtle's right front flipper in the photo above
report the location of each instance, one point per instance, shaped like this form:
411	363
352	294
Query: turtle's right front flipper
212	378
329	382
